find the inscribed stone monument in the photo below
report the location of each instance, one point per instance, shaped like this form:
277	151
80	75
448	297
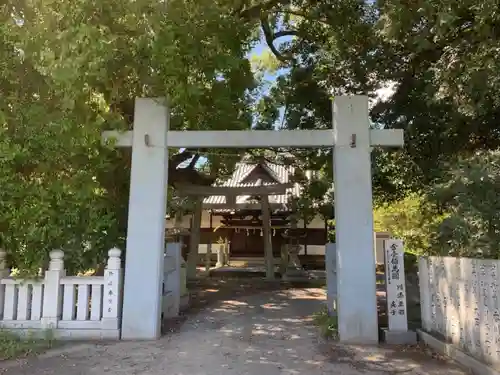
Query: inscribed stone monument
395	280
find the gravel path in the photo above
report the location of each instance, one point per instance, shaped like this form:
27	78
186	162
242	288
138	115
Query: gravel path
263	334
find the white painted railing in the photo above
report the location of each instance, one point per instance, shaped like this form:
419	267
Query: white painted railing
70	306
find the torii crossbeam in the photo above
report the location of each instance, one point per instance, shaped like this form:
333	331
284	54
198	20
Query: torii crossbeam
352	140
257	138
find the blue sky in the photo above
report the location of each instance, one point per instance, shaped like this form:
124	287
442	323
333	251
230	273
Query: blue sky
259	49
262	47
383	93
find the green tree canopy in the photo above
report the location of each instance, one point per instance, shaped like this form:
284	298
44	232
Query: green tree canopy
468	193
440	58
71	69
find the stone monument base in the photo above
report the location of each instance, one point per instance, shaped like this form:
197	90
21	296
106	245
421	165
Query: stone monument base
399	337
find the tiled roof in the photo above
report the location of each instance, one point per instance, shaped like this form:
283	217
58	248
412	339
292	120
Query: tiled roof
279	172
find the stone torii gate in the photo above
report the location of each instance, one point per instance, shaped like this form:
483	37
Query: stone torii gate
352	140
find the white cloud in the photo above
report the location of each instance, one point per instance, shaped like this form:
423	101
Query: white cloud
384	93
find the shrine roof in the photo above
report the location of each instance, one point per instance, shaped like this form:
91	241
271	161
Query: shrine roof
279	174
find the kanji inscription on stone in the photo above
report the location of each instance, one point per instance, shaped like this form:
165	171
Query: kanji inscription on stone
395	285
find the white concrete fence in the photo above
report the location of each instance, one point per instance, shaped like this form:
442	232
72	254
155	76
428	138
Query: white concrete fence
460	302
175	295
86	307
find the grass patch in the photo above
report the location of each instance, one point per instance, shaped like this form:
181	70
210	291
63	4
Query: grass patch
14	346
328	325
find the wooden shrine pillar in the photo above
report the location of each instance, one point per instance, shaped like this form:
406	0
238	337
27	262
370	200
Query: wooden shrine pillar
208	257
194	241
227	256
266	229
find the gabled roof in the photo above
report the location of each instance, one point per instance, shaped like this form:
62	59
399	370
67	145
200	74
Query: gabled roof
280	174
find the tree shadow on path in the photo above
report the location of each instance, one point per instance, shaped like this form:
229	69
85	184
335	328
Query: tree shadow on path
236	330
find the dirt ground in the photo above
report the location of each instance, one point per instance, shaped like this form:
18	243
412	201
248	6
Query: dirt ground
239	328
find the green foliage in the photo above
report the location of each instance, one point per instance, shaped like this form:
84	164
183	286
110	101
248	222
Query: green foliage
331	230
468	191
71	69
327	324
412	219
458	216
440	59
316	198
13	346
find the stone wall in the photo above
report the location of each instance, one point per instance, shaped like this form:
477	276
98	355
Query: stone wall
460	303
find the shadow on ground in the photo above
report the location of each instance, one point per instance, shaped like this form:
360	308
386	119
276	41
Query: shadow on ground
236	328
205	292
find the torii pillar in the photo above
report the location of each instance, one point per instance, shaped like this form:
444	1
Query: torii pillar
146	222
356	283
352	140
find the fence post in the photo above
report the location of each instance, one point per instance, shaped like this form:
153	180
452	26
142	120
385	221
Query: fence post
4	272
425	303
52	296
112	286
171	298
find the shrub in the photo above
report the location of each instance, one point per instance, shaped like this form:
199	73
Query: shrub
327	324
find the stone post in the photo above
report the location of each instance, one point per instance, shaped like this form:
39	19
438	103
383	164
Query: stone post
183	280
357	301
294	270
425	304
4	273
220	255
172	281
112	287
395	282
52	296
141	318
284	259
208	257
